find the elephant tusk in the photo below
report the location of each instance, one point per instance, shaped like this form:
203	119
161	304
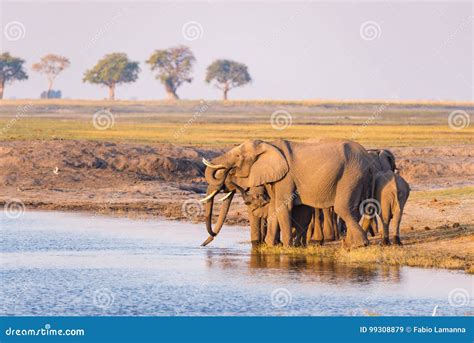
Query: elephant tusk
226	196
210	165
210	196
207	241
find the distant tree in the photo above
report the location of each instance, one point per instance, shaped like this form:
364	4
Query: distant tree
51	65
174	67
51	94
113	70
11	69
227	74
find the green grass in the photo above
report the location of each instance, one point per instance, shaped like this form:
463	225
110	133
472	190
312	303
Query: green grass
219	134
449	193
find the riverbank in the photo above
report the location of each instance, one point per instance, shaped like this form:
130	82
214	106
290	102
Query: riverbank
164	180
441	247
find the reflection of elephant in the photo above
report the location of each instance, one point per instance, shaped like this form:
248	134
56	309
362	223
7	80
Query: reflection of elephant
310	268
391	191
320	174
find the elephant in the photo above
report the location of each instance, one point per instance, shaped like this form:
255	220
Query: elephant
258	202
392	192
382	160
304	218
319	174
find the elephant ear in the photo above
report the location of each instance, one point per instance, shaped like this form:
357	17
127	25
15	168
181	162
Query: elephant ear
270	166
387	159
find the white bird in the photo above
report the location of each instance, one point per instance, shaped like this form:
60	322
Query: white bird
56	171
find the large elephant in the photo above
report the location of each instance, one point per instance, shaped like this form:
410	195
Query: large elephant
320	174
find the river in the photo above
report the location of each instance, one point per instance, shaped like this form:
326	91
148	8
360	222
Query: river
59	263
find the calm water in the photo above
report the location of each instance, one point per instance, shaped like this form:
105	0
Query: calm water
55	263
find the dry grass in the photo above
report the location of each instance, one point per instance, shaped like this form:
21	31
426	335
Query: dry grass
421	249
376	255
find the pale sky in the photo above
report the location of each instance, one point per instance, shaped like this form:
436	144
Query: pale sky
317	50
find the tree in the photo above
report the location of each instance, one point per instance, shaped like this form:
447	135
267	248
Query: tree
11	69
174	67
113	70
51	66
227	74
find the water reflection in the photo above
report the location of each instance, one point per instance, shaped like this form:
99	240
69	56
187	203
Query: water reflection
323	270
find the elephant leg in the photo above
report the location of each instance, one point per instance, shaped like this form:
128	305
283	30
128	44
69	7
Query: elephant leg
328	226
284	223
309	232
341	226
271	238
367	225
385	216
317	237
301	219
356	237
255	222
263	229
397	218
375	225
385	239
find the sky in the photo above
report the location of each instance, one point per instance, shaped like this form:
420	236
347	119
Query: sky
294	50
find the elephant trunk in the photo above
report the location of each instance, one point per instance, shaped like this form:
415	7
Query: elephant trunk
208	215
215	174
220	221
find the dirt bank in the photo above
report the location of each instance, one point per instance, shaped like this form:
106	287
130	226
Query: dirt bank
166	180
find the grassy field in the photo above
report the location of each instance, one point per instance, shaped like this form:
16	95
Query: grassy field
219	134
218	123
449	193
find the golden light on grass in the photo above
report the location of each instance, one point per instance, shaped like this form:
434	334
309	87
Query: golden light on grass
228	133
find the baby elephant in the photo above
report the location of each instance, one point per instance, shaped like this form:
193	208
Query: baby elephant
391	191
257	201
